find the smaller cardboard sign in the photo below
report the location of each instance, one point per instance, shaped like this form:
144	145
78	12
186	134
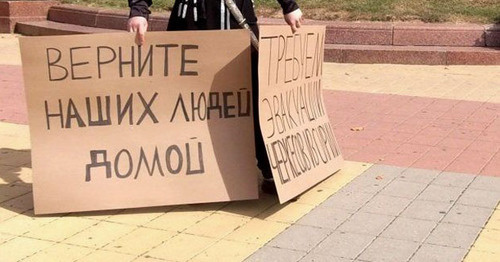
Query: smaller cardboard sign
299	139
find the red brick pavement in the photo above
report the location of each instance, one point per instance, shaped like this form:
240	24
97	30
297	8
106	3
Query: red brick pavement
432	133
12	101
421	132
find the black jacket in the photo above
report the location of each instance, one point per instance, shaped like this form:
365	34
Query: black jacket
207	11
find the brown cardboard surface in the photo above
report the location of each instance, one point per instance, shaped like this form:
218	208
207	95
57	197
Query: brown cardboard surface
164	124
299	139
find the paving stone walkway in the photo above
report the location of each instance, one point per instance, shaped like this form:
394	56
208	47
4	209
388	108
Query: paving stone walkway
394	214
422	183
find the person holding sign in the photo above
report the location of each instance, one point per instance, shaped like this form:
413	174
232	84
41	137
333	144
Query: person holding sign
214	15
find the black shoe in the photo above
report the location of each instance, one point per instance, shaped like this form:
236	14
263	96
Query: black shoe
269	187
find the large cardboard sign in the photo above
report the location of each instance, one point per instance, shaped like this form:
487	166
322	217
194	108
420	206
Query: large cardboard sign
115	125
300	143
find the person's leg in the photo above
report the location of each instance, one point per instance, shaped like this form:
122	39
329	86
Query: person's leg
263	164
260	148
209	17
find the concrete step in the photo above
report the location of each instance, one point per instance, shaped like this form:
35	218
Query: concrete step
339	53
12	12
419	55
347	42
40	28
101	18
338	32
405	33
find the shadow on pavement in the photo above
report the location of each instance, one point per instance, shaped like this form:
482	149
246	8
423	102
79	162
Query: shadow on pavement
16	195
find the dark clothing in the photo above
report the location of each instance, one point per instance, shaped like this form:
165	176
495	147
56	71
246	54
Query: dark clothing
208	15
141	7
212	15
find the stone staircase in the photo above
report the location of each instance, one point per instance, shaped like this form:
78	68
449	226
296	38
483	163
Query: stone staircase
346	42
411	43
73	19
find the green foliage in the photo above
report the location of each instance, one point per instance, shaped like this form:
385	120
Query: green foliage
479	11
158	5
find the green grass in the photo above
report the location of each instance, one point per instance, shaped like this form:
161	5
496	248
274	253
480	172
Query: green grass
475	11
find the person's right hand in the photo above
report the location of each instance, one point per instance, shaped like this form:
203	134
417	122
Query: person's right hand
139	25
294	20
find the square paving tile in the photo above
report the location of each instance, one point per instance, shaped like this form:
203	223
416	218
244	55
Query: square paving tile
385	249
441	193
479	198
494	221
345	245
60	252
468	215
481	256
488	241
249	208
62	228
417	175
22	247
453	179
348	200
427	210
489	183
257	231
181	247
24	223
453	235
5	237
409	229
366	223
288	213
434	253
437	158
267	253
139	241
374	179
102	255
386	205
389	171
325	217
12	191
20	204
323	258
100	235
137	217
302	238
224	250
367	184
403	189
178	220
217	225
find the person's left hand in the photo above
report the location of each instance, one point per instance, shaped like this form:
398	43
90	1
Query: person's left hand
294	19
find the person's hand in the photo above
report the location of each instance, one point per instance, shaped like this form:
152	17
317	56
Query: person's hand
139	25
294	19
